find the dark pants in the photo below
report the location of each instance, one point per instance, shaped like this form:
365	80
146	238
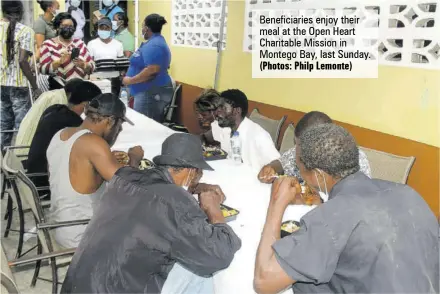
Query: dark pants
153	103
15	103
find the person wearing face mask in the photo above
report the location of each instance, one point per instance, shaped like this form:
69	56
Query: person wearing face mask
105	47
80	162
56	53
73	7
286	163
257	146
122	34
149	225
371	236
43	26
110	8
147	76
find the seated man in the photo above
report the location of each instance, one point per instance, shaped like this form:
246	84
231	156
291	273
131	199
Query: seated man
372	236
28	125
257	147
149	235
205	107
54	119
286	163
80	161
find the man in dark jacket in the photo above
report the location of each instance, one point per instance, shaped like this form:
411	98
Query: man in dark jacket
54	119
148	225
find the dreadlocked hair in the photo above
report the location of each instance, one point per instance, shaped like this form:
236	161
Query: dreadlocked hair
12	11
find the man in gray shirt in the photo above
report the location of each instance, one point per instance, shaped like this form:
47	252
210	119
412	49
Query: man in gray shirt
371	236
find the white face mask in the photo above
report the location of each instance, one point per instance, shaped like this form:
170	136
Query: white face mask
188	181
322	194
75	3
115	26
107	3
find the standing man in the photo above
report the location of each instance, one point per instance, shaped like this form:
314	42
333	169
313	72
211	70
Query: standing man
16	74
105	47
80	162
122	34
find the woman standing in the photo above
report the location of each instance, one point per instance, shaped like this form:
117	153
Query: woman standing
147	75
15	71
43	26
56	53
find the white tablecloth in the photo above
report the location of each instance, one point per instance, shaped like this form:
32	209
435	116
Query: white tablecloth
242	189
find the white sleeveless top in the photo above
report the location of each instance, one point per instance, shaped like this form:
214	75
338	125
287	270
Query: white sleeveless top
66	203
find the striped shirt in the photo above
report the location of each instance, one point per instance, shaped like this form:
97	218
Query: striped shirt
51	50
11	74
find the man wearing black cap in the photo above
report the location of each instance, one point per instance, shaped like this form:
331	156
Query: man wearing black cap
53	119
80	161
105	47
149	235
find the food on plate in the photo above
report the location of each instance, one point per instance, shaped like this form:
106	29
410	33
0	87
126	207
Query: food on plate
309	196
122	157
228	212
290	226
145	164
213	151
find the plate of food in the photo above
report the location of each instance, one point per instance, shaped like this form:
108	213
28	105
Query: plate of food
122	157
229	213
214	153
289	227
146	164
309	196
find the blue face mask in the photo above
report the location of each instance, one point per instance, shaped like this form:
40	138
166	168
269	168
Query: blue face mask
104	34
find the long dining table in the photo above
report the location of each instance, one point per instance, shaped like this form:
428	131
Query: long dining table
243	192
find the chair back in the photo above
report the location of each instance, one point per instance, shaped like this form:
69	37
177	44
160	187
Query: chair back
273	127
387	166
170	109
8	284
12	166
288	141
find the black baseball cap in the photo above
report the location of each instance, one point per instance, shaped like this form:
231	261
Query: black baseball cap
109	104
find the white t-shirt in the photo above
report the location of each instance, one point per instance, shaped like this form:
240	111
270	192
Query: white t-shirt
100	50
257	147
80	18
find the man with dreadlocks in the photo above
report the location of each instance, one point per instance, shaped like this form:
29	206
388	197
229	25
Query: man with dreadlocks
17	47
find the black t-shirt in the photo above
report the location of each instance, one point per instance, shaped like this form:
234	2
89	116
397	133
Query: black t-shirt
54	119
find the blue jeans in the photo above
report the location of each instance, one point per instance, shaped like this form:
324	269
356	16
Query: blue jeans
182	281
153	103
15	103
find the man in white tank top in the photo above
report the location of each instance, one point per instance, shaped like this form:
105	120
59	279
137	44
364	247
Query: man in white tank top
80	161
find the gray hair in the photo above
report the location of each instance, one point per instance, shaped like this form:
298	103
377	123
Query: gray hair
330	148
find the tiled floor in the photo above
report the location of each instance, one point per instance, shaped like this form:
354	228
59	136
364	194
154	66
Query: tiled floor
23	274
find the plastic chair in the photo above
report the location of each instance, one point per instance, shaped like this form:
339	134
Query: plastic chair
272	126
288	141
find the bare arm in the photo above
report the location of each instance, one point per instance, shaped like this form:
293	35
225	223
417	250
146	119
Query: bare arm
101	158
39	39
26	68
146	74
127	53
269	277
